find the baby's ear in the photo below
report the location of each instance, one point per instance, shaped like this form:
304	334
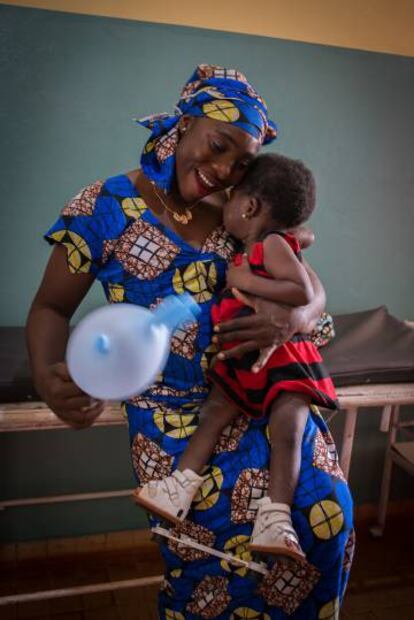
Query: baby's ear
254	207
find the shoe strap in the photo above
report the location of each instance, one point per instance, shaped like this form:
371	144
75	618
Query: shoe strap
279	528
185	479
171	485
277	519
273	506
168	486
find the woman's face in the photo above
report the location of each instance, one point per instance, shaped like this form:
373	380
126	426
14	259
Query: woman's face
211	155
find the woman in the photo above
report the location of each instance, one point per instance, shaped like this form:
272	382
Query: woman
144	235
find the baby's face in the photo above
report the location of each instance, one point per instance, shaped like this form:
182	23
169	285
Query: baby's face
233	210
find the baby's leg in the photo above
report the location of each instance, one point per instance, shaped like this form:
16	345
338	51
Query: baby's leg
288	417
216	413
171	497
273	531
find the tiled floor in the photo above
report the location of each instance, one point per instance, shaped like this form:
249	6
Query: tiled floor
381	585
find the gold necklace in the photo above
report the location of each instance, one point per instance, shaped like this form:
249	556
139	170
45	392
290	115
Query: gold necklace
182	218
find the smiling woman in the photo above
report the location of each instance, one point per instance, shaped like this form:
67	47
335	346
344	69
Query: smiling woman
125	232
210	156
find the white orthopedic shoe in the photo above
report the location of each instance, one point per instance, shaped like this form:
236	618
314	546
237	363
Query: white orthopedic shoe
273	531
171	497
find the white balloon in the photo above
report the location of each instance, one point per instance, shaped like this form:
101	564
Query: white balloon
116	351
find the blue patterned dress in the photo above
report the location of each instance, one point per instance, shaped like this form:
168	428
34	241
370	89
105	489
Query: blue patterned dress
108	231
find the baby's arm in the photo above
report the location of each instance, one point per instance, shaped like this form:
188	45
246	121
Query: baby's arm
290	283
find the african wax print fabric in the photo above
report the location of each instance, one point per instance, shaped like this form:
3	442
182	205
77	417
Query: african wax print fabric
295	366
214	92
108	230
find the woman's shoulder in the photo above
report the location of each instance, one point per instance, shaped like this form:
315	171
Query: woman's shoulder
119	186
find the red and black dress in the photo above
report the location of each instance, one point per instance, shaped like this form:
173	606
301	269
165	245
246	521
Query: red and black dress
295	366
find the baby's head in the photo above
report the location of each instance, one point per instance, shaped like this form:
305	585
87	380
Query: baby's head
277	189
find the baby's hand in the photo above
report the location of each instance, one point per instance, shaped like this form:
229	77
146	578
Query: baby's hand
237	275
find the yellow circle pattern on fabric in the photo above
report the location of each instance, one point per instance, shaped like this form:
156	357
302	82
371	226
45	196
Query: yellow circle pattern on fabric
209	492
330	611
326	519
237	545
177	426
133	207
79	254
149	146
199	279
244	613
116	293
207	356
124	412
212	91
177	572
173	615
222	110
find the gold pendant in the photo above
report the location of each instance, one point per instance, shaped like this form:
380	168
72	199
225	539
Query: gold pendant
183	218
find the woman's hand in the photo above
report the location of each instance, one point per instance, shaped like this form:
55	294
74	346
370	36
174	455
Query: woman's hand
66	399
270	326
304	235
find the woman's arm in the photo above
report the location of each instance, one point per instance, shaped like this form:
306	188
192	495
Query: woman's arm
47	332
313	310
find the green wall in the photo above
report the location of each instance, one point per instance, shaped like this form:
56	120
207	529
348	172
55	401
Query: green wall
71	85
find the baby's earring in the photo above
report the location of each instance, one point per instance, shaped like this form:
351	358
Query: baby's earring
244	216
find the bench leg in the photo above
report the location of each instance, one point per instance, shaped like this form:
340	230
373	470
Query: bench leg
378	529
348	439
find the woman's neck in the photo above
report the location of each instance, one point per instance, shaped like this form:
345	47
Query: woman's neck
206	216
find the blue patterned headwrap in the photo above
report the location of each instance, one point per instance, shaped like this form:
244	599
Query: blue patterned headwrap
217	93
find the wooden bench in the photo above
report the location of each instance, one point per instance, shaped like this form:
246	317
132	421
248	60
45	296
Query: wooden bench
36	416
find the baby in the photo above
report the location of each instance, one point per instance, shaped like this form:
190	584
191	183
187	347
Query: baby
276	195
